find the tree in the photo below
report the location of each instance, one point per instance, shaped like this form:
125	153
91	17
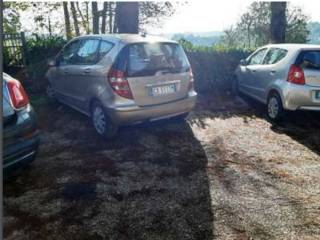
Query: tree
127	17
153	13
104	17
254	27
95	18
75	18
84	21
67	20
11	16
278	22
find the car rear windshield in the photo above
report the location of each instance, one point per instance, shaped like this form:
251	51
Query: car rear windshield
146	59
309	59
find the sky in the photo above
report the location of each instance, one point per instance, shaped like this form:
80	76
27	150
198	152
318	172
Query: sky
204	16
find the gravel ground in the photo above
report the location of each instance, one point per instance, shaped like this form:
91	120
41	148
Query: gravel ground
225	173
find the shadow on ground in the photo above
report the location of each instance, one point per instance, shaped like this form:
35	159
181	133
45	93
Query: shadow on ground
302	126
150	182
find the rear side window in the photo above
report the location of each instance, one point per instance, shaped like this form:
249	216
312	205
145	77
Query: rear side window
309	59
87	52
105	47
275	55
146	59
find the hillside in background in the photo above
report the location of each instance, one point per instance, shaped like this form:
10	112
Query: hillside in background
211	38
199	38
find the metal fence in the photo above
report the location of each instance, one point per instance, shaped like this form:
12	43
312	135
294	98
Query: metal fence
14	49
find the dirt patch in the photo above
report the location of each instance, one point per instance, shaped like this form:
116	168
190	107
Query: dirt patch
226	173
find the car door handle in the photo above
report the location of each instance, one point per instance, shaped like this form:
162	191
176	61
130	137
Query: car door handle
273	72
87	70
66	71
253	70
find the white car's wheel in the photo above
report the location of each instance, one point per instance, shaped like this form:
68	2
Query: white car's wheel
274	107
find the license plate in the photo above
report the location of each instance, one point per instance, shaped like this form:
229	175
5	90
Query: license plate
163	90
317	95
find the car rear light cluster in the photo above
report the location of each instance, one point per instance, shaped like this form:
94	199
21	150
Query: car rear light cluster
119	83
191	80
18	96
296	75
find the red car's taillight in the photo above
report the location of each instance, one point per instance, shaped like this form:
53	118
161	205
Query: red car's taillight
119	83
19	97
296	75
191	80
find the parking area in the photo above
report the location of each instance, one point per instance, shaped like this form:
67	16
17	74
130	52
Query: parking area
225	173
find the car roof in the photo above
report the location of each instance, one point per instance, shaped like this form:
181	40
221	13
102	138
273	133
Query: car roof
129	38
293	46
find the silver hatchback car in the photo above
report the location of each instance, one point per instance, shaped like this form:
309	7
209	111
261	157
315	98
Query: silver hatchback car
122	79
282	76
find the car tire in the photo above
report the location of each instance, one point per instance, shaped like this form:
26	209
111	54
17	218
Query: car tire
102	123
275	111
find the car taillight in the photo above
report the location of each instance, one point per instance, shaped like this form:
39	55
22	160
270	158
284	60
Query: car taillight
19	97
119	83
191	80
296	75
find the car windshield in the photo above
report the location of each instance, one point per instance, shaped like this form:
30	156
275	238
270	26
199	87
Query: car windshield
146	59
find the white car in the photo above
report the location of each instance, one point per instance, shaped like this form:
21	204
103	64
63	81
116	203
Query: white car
282	76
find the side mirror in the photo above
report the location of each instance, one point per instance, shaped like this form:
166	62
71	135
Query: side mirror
52	63
243	62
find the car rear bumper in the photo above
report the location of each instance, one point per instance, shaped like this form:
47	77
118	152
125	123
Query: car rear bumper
134	114
21	140
21	152
300	97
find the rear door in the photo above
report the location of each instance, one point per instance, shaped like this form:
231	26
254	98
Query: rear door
269	71
157	72
309	61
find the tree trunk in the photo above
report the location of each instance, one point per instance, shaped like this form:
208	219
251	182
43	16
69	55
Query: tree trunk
49	26
127	17
87	14
95	18
67	20
75	19
85	24
104	17
111	21
278	22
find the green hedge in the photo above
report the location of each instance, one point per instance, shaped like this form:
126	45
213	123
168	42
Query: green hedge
40	50
214	69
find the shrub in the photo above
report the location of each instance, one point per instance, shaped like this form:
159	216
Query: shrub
40	50
214	69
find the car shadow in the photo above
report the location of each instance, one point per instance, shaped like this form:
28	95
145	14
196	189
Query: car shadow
149	182
302	126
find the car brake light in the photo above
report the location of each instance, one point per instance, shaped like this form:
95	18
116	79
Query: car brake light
191	80
19	97
296	75
119	83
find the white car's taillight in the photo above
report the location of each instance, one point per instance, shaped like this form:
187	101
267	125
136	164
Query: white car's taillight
296	75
